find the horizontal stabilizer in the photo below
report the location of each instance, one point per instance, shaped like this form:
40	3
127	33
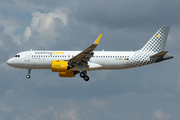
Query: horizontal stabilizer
160	54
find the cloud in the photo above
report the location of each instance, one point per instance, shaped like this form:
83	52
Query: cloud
116	14
3	108
27	34
50	24
97	103
178	81
2	119
18	117
42	30
22	6
6	41
34	114
4	67
10	25
70	114
159	115
9	92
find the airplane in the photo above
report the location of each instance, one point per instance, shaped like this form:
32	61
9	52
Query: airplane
70	63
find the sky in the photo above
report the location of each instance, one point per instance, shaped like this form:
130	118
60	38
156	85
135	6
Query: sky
150	92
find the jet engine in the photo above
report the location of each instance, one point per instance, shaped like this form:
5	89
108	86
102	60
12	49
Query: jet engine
67	74
63	68
59	66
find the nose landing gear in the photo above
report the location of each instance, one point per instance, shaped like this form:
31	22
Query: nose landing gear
28	75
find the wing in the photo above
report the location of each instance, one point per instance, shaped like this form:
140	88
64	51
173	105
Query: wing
83	57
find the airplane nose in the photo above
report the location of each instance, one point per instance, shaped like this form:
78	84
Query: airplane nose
9	62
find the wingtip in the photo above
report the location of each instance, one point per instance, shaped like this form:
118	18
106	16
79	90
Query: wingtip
97	40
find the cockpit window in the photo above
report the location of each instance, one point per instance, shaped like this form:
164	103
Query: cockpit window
17	55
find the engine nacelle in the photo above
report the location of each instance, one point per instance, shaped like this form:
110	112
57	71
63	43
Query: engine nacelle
67	74
59	66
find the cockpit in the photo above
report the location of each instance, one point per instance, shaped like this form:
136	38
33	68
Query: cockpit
17	55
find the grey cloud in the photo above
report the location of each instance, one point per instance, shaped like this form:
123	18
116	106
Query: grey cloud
5	41
122	14
131	94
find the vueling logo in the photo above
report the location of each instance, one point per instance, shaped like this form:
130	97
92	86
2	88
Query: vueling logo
57	53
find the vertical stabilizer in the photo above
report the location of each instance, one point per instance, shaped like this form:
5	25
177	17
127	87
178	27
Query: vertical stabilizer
158	41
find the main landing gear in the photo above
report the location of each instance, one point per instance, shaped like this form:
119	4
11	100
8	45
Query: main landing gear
84	75
28	75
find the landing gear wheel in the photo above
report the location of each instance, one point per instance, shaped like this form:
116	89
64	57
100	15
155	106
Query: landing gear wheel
86	78
82	75
28	76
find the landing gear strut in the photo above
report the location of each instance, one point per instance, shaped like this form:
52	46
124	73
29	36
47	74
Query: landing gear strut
84	75
28	75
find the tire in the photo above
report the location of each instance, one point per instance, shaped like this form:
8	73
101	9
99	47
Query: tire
86	78
28	76
82	75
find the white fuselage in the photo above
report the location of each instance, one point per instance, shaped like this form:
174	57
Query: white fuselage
70	63
43	59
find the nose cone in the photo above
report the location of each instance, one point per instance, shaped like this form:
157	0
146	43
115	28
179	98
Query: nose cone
10	62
